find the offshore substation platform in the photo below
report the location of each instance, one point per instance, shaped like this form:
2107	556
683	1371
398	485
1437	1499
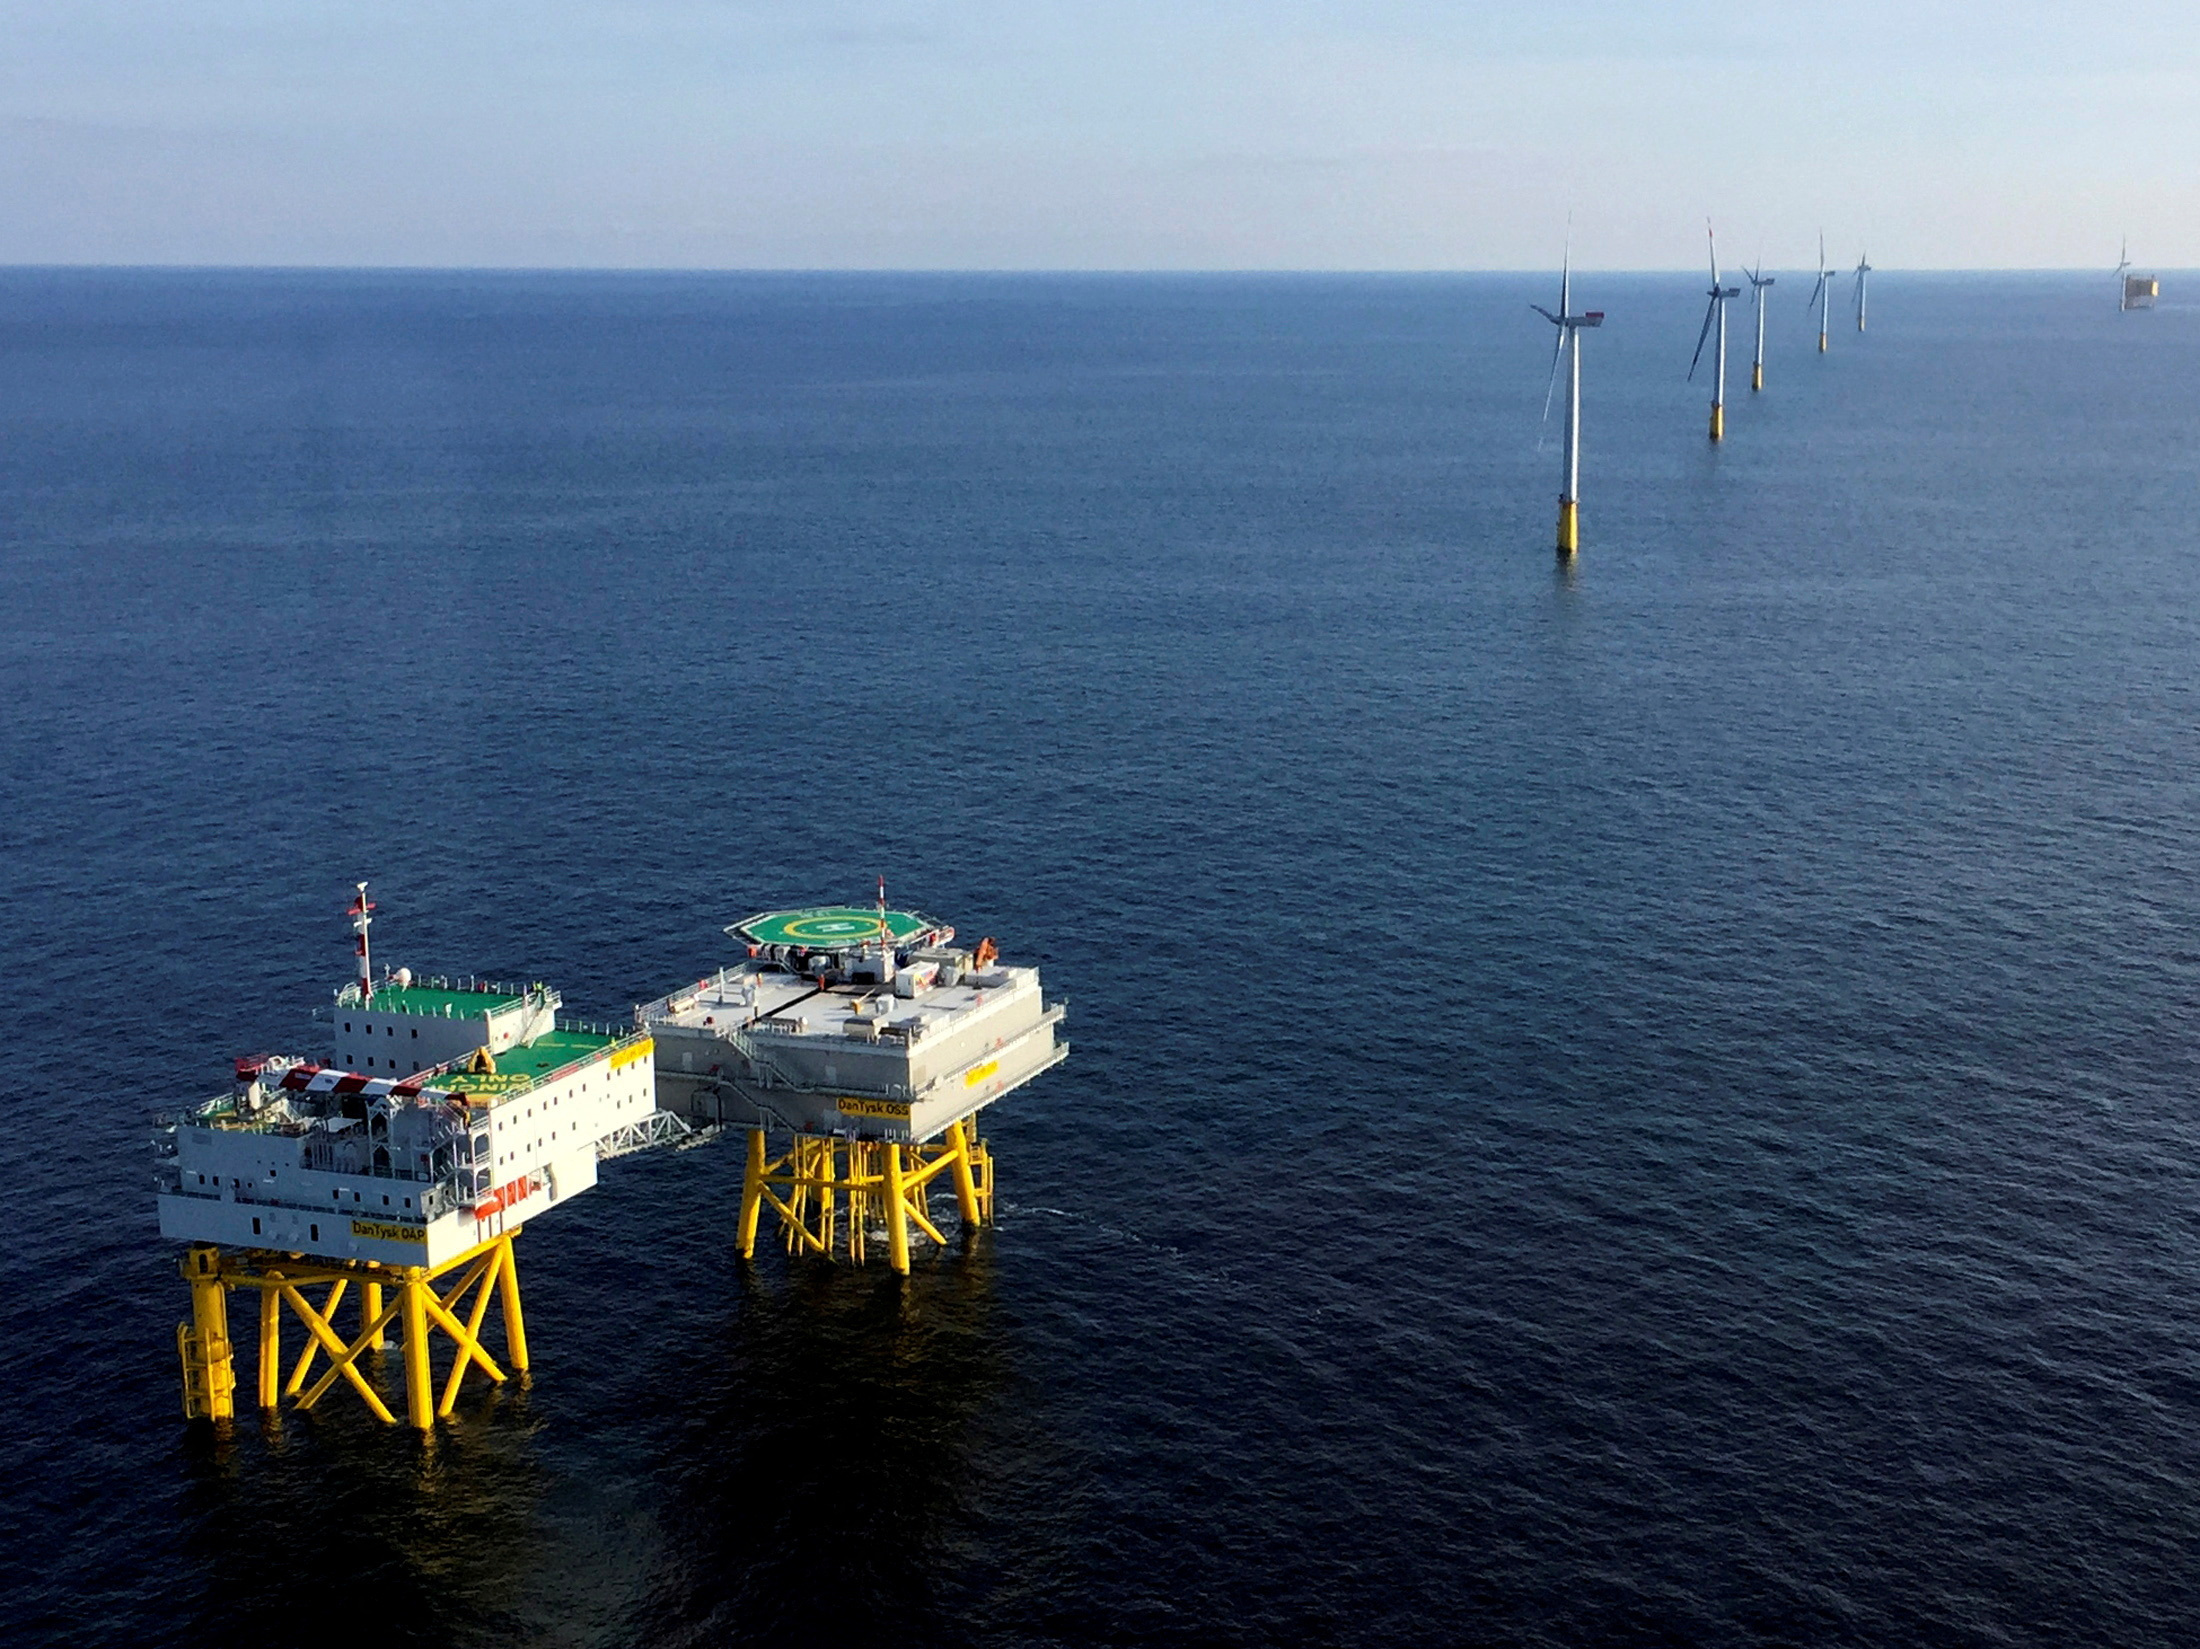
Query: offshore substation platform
455	1110
859	1046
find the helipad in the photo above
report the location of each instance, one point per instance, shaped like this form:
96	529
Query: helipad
828	927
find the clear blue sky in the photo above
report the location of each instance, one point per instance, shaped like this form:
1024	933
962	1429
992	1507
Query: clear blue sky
1293	134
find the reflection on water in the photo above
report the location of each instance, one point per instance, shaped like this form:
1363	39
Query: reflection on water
821	1459
303	1530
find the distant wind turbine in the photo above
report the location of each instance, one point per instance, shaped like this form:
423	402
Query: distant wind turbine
2123	268
1568	347
1716	313
1863	268
1759	280
1821	295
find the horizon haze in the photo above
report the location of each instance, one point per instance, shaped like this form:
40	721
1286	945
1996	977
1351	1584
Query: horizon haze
1396	135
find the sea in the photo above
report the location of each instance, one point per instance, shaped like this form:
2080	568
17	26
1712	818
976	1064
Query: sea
1647	1102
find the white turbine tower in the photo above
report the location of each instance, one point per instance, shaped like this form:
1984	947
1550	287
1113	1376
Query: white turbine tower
1821	295
1758	281
1568	348
1715	313
1863	268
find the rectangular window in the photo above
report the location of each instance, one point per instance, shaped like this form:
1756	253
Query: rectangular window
316	1230
255	1225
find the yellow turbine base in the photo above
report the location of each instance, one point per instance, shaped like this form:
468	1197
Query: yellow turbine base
1821	343
1756	377
422	1306
1569	527
1718	421
831	1195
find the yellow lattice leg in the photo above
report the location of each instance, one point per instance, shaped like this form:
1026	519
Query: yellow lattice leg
752	1194
897	1213
515	1325
202	1344
966	1182
419	1402
341	1356
270	1365
313	1341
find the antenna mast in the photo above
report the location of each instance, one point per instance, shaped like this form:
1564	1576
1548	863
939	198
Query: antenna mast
360	922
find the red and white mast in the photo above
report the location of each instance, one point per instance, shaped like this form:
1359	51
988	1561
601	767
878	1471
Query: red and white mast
360	922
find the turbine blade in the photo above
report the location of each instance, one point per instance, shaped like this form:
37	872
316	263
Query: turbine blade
1558	349
1710	311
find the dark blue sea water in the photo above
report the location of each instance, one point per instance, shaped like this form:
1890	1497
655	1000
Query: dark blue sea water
1654	1106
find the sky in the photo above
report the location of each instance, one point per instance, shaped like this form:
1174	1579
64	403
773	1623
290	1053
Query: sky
1100	134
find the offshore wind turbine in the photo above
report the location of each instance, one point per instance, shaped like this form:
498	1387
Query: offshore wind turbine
1758	281
1821	295
1863	268
1715	313
1568	348
2134	291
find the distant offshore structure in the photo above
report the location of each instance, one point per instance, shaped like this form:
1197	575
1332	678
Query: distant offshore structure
1716	315
1569	324
2133	291
1758	281
1821	295
1568	347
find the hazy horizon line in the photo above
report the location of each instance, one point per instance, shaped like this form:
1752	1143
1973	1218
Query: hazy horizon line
1005	270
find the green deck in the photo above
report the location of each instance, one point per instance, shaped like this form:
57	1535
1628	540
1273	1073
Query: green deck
520	1068
829	927
433	1003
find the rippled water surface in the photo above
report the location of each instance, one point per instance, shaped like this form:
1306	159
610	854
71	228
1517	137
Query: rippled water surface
1654	1106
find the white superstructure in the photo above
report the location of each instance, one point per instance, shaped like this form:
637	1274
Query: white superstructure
319	1160
825	1034
453	1111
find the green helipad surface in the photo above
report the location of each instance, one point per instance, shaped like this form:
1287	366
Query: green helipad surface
429	1000
828	927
